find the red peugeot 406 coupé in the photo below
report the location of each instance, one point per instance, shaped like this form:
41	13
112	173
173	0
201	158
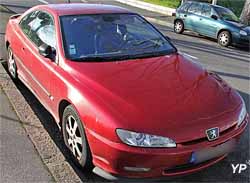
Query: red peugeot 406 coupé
127	102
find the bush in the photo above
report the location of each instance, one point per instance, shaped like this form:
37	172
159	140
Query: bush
167	3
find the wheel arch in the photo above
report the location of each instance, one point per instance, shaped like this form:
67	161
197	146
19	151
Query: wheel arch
221	30
178	19
7	44
61	107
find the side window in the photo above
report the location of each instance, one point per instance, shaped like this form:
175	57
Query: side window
195	8
24	23
41	30
185	7
206	11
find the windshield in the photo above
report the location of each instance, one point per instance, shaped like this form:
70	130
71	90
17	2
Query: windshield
226	14
111	37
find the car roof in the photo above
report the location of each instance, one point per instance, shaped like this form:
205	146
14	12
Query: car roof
199	2
82	8
219	6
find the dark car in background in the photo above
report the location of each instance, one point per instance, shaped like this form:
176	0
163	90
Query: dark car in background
212	21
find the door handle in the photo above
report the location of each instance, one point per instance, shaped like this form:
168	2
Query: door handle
200	18
185	15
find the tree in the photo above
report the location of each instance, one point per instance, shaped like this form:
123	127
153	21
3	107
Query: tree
245	15
214	1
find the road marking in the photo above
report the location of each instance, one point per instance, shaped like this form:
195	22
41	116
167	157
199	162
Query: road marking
159	22
193	57
43	1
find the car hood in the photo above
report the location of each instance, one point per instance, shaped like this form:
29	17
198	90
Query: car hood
168	95
239	25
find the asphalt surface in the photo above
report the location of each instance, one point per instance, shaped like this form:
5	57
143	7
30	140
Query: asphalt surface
232	64
19	159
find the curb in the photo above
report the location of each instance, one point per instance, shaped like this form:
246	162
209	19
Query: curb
50	154
159	22
149	7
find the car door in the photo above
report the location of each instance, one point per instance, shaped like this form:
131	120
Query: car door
193	17
183	11
42	31
208	24
20	47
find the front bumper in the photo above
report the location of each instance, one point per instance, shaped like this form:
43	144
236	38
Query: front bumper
110	158
241	41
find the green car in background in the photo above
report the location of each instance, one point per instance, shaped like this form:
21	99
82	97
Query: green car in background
212	21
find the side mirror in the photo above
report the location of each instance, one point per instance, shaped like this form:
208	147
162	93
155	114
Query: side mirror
47	51
214	17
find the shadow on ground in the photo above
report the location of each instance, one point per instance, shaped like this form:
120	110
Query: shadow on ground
51	127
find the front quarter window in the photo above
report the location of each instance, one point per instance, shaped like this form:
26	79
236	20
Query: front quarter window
39	28
26	20
111	37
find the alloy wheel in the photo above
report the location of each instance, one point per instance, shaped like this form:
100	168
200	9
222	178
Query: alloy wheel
74	138
178	27
11	64
224	38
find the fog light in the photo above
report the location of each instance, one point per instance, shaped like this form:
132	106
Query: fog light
136	169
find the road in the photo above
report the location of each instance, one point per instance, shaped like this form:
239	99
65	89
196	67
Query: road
232	64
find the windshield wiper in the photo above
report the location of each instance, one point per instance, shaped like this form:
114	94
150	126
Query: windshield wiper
91	58
123	57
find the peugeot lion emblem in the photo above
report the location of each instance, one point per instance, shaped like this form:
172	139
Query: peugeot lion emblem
213	133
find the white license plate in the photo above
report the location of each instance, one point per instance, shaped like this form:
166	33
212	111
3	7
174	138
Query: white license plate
212	152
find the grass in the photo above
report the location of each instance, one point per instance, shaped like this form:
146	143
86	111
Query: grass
235	5
167	3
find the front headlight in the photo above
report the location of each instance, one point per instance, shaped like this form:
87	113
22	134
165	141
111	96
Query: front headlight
243	114
144	140
243	33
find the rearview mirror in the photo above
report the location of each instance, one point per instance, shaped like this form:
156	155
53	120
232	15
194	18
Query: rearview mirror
214	17
47	51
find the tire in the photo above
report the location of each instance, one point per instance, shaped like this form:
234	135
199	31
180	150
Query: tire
75	138
224	38
12	67
178	27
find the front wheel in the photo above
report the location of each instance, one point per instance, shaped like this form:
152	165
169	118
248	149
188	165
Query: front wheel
224	38
75	138
178	27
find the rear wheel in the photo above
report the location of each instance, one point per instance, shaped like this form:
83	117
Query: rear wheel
178	27
224	38
12	68
75	138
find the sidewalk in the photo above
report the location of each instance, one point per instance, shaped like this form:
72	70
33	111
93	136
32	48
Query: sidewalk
149	6
19	160
161	15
